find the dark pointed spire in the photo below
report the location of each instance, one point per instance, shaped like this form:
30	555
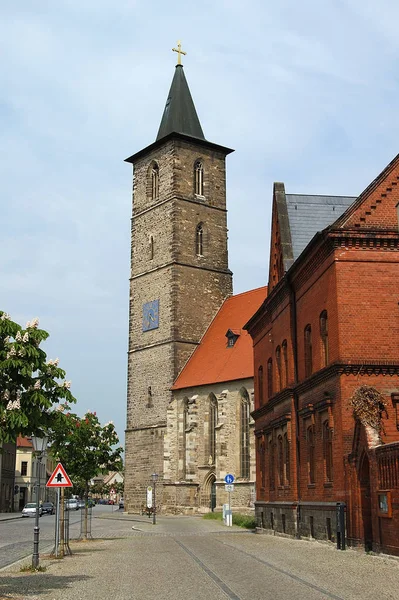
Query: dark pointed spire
180	115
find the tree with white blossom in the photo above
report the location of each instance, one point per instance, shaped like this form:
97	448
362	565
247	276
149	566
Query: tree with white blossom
31	387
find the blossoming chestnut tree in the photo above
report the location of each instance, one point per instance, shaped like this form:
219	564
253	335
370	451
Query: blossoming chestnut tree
30	385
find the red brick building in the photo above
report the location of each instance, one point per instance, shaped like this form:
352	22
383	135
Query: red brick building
328	332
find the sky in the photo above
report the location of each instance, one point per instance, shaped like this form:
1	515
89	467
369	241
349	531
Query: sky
306	93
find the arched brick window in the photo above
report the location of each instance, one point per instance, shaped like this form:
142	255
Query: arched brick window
308	351
262	462
311	457
260	385
270	378
279	372
199	240
244	434
324	338
328	451
284	351
280	460
199	178
287	459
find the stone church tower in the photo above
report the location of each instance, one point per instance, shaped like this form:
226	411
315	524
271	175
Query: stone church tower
179	274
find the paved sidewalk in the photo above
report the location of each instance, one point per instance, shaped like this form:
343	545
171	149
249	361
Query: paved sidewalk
189	557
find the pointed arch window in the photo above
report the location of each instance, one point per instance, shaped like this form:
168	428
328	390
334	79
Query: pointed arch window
199	178
199	240
244	434
262	463
269	378
324	338
284	352
278	365
308	351
154	182
328	451
184	438
310	441
213	421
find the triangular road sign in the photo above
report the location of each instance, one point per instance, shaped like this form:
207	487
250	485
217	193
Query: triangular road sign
59	478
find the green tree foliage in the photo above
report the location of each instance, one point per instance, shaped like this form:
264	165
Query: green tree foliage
86	448
30	386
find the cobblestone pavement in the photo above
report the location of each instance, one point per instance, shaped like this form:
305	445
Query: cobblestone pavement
189	557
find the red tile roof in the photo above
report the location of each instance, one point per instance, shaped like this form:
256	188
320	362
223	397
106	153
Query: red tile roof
213	361
23	442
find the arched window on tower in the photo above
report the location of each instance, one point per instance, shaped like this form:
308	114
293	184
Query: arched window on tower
308	351
199	178
324	338
244	434
154	182
212	423
199	240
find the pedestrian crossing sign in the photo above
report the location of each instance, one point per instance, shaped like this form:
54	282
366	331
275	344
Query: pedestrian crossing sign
59	478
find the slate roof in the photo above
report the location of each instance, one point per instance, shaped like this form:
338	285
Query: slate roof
309	214
213	361
180	115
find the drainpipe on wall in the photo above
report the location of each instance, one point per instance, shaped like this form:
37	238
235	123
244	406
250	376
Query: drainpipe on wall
294	337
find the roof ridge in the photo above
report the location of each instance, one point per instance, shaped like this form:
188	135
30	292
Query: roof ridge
261	287
323	195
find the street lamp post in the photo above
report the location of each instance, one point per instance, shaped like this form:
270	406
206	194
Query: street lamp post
154	478
39	445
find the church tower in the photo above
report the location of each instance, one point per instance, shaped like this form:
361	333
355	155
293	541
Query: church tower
179	273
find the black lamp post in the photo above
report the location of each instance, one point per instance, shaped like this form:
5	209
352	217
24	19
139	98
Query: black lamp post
154	478
39	445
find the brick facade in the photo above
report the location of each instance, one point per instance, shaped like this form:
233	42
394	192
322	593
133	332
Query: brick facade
334	310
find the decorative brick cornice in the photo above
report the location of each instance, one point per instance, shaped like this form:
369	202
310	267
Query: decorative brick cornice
172	196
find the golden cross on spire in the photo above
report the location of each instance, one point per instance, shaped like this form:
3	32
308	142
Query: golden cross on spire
179	52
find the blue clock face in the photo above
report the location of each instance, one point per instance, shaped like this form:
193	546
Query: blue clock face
151	315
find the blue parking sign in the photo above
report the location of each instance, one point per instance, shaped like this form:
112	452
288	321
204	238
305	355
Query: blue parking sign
229	478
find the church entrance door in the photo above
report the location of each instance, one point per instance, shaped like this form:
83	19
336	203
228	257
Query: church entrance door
208	492
365	498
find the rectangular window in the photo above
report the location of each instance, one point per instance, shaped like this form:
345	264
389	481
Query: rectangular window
24	468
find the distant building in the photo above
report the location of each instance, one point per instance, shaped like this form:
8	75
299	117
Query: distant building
7	477
27	469
328	327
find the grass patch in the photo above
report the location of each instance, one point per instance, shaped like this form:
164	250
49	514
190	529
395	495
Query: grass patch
246	521
30	569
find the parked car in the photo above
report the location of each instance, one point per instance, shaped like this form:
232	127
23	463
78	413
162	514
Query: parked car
48	508
71	504
81	504
29	510
121	503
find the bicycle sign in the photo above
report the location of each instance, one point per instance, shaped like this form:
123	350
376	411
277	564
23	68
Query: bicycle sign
229	478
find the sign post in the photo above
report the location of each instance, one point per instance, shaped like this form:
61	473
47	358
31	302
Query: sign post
229	487
59	479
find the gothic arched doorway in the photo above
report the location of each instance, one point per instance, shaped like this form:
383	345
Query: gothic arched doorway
365	499
208	492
